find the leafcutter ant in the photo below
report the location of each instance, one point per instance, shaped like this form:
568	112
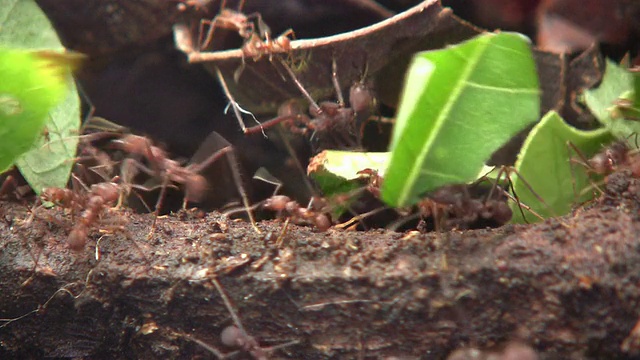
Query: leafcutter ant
331	124
616	156
168	171
236	336
90	206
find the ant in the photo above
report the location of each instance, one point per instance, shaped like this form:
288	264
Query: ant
233	20
236	336
327	118
465	211
92	205
171	171
312	214
616	156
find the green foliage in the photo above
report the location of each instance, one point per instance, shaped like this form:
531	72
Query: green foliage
336	171
553	169
616	82
459	105
35	85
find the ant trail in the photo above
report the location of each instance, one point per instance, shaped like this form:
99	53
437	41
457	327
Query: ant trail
304	91
234	105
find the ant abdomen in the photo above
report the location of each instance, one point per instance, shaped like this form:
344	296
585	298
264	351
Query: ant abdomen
77	238
361	98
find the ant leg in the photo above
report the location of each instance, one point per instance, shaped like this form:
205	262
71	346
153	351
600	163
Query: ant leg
209	37
268	124
156	212
235	171
233	163
227	304
336	82
304	91
583	161
240	4
232	102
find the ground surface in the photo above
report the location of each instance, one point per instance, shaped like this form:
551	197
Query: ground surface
568	287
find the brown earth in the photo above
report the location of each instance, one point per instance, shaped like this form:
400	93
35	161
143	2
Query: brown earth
568	286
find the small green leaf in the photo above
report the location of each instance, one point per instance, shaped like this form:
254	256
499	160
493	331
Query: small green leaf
335	171
459	105
545	163
24	26
615	82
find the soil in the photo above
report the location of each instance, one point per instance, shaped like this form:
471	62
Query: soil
568	286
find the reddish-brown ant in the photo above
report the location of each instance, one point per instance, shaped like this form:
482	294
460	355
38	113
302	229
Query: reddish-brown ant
92	204
312	214
236	336
256	46
170	171
332	124
616	156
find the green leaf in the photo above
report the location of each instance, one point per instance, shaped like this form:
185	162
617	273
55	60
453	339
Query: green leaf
30	87
24	26
615	82
336	171
545	163
459	105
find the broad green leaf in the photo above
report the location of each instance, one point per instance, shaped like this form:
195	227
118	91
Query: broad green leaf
459	105
31	86
601	101
545	163
24	26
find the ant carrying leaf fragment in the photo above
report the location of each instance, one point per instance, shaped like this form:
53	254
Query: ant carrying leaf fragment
561	182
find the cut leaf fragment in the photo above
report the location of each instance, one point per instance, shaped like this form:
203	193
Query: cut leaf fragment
335	171
545	164
601	101
459	105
